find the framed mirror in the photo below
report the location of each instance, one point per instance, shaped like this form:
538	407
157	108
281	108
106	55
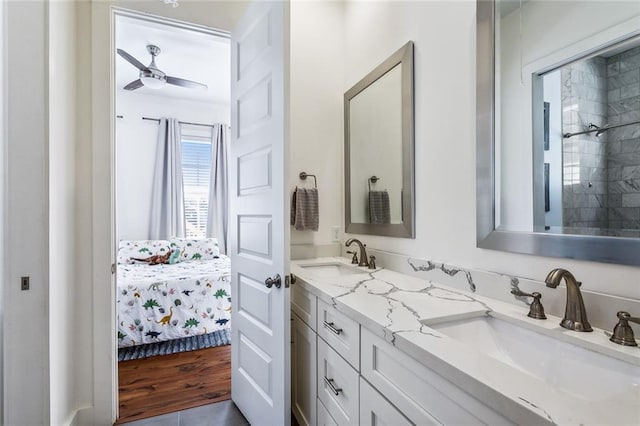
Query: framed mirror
558	128
379	149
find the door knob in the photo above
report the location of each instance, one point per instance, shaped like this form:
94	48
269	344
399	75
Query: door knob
276	280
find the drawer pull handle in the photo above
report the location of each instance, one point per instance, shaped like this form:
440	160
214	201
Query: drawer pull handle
329	383
331	327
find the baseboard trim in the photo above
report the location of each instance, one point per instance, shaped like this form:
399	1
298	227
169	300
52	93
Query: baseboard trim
82	417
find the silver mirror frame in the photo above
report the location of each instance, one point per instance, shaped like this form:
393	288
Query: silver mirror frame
406	229
617	250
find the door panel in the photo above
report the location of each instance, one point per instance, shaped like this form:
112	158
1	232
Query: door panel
258	208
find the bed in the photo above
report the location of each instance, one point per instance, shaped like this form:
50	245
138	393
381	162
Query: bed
171	301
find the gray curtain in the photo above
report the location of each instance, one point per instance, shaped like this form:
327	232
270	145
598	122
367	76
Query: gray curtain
167	198
217	218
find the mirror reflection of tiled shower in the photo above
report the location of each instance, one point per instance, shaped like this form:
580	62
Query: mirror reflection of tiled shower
600	161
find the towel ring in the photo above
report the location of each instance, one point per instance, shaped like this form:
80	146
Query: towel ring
372	179
305	175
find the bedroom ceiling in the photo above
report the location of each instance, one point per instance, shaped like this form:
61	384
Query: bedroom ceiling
191	55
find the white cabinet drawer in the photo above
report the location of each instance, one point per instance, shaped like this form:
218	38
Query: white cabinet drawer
418	392
337	385
341	332
324	418
375	410
303	303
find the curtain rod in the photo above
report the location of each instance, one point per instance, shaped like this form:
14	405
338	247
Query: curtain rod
181	122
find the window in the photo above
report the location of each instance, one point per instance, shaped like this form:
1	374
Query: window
196	172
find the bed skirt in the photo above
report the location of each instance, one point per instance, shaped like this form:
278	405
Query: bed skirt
185	344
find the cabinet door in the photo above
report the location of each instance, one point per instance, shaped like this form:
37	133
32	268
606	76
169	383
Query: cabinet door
303	304
303	366
375	410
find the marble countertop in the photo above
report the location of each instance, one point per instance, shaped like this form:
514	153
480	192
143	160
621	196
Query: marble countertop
395	307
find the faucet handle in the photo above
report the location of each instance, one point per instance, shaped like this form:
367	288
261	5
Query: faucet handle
372	262
536	310
354	259
622	332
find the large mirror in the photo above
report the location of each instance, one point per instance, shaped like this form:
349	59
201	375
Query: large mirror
558	128
379	132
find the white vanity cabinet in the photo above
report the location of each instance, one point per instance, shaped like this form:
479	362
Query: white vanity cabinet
376	410
303	367
422	395
303	304
343	374
324	418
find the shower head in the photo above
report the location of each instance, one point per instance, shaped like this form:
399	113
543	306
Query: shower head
602	129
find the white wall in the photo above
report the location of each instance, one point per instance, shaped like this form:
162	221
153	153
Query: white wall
444	36
316	110
43	327
62	215
26	313
83	326
136	141
26	320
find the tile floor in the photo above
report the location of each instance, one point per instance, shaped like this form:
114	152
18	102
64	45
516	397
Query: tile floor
223	413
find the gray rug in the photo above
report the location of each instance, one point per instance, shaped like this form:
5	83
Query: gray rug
203	341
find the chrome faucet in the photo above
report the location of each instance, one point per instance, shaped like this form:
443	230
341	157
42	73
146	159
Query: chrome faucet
363	251
575	314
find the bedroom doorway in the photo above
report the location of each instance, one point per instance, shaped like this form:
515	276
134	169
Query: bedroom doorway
173	296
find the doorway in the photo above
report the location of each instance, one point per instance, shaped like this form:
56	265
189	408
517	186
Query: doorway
172	102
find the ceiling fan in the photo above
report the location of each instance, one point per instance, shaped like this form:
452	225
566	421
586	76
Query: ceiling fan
151	76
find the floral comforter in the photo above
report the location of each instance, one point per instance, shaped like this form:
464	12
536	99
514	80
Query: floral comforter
164	302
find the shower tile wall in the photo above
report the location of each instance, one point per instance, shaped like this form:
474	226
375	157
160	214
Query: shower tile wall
584	159
623	80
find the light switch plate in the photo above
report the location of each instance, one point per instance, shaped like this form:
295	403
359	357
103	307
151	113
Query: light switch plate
24	283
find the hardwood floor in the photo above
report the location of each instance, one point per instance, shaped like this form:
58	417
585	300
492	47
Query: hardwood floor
164	384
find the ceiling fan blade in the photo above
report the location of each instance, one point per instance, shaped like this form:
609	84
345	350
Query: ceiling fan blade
135	84
185	83
133	61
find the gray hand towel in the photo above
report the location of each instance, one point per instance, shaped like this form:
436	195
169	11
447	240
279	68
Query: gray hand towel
379	209
305	215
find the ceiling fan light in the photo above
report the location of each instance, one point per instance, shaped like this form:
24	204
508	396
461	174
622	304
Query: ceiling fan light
152	82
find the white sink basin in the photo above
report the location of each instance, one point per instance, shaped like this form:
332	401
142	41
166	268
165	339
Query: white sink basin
583	373
328	270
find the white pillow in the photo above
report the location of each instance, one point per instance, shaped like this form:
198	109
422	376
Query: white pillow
140	249
195	248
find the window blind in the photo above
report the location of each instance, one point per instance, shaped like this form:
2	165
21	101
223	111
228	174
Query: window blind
196	175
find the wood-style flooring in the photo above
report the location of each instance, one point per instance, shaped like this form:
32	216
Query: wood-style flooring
163	384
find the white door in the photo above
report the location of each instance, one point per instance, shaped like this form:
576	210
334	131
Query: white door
259	231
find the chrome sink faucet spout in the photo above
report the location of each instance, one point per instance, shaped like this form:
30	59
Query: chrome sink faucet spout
363	251
575	314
